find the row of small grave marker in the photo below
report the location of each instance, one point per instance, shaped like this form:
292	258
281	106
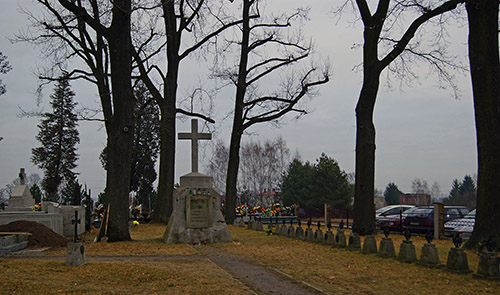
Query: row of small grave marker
456	262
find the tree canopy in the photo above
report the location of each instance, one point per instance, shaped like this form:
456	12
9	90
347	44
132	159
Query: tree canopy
311	186
391	194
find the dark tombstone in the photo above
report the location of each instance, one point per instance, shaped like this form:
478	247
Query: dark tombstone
76	222
457	258
429	255
488	267
299	232
407	251
258	225
75	254
341	224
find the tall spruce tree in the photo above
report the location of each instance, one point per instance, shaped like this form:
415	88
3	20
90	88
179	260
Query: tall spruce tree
58	136
146	146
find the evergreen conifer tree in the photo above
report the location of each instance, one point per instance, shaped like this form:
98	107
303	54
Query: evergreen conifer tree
58	137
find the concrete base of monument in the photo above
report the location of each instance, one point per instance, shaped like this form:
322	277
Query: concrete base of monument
196	217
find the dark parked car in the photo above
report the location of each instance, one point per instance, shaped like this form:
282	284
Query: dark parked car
394	222
421	219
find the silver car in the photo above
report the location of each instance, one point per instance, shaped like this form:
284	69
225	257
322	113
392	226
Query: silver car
463	226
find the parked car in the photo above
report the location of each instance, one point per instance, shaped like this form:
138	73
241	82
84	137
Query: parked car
391	210
463	226
422	219
394	222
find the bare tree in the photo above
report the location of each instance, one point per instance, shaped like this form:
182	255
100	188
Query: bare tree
485	74
204	20
388	16
5	67
265	49
217	166
419	186
98	33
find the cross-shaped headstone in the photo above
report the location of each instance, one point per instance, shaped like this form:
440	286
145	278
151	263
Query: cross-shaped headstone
22	176
76	221
194	136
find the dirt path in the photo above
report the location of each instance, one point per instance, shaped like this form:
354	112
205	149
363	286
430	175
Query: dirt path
260	279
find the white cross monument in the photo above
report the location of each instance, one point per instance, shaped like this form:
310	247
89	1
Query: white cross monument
194	136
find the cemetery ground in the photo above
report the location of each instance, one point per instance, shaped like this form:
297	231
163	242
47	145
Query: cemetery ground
148	266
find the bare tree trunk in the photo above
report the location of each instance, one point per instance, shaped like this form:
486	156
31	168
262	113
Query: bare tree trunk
121	126
485	74
232	176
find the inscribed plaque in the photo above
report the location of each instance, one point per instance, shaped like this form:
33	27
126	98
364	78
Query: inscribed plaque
198	211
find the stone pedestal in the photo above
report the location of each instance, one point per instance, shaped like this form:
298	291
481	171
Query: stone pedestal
354	242
340	240
196	217
369	245
309	235
259	226
429	256
329	238
488	266
318	236
407	252
241	223
283	230
457	261
75	255
386	249
249	224
299	233
291	232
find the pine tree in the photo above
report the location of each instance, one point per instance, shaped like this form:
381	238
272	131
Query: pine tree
72	193
391	194
146	146
58	137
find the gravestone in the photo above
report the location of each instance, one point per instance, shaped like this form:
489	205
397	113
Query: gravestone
369	245
318	234
340	241
457	258
21	198
299	231
386	249
309	234
354	242
407	251
75	254
196	216
329	236
489	262
429	255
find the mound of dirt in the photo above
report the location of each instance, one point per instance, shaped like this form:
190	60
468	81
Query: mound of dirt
42	236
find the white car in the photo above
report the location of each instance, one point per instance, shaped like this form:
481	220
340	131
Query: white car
463	226
391	210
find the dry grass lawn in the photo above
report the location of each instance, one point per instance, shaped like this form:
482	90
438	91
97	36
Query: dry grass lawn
335	271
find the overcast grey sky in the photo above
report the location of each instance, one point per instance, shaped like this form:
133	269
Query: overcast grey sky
422	131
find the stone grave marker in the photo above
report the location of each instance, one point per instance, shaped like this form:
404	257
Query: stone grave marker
386	249
75	252
407	251
196	216
457	258
429	255
340	240
21	198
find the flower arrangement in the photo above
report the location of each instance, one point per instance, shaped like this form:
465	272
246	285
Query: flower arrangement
37	207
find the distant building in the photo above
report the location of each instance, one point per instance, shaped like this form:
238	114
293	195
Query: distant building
415	199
